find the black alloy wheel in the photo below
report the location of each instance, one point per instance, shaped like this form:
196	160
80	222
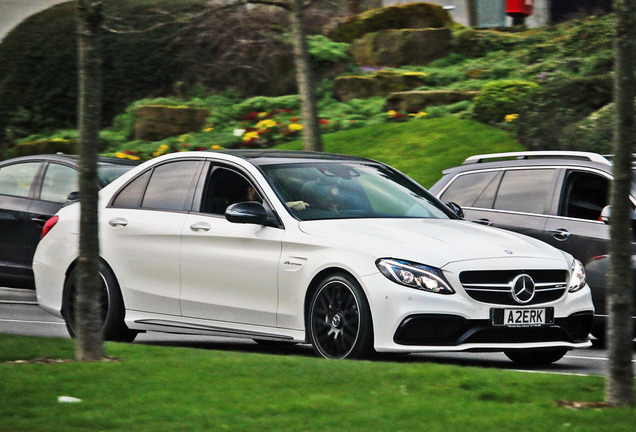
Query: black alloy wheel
112	310
339	319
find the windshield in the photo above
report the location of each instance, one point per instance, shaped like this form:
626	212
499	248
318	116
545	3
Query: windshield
328	190
107	172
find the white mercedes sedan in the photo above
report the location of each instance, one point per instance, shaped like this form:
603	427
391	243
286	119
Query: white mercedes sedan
344	253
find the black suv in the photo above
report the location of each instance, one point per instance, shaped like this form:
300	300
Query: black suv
554	196
32	189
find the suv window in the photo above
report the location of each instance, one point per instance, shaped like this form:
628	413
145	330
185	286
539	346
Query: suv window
16	179
59	181
474	189
527	191
584	195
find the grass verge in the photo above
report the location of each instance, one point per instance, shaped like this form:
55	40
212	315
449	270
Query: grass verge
155	388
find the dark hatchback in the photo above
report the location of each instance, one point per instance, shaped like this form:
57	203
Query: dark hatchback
32	189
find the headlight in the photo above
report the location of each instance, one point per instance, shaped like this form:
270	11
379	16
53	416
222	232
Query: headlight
577	276
414	275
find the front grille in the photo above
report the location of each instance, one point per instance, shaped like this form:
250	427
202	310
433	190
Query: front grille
495	287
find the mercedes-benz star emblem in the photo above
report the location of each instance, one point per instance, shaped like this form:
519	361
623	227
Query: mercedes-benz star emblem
522	288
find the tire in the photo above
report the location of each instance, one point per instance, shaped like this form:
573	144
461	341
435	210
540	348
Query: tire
111	307
536	356
339	319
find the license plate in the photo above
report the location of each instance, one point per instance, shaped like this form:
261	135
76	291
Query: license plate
522	317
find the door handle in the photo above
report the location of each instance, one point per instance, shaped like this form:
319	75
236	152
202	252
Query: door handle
200	226
483	222
560	234
118	222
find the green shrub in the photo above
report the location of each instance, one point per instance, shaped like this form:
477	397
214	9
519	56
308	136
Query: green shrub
593	134
557	105
500	98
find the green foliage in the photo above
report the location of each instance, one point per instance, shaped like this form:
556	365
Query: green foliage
593	134
323	49
558	104
500	98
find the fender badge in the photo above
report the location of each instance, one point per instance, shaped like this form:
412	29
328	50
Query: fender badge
509	252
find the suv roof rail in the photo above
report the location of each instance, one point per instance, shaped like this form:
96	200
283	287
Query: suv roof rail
555	154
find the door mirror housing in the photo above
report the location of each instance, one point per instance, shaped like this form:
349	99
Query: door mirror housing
456	209
606	215
249	212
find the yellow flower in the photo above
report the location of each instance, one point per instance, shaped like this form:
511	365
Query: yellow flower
121	155
265	124
295	127
511	117
208	129
250	136
391	113
418	114
216	147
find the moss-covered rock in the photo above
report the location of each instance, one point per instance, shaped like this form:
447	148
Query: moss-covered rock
156	122
414	101
405	16
45	146
478	43
401	47
380	83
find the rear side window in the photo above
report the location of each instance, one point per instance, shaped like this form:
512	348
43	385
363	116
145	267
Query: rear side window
59	181
527	191
171	185
473	189
16	179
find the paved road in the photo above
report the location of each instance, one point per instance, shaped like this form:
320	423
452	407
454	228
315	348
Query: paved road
20	314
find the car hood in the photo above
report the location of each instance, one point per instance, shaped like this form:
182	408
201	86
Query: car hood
435	242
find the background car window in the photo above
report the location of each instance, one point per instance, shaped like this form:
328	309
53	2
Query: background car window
16	179
584	195
225	187
473	190
526	191
170	186
59	181
130	196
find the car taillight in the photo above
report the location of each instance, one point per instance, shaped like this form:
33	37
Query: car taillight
48	226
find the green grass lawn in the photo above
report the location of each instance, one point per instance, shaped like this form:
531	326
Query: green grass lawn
152	388
419	148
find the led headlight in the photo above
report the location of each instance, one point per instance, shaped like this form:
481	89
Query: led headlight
414	275
577	276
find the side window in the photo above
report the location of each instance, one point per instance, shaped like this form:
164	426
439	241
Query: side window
526	190
130	195
16	179
474	189
584	195
59	181
171	186
225	187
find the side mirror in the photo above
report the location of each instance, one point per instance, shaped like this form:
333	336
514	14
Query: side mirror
73	196
606	215
249	212
456	209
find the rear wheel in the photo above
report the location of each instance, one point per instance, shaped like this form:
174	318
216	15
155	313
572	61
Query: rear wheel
112	310
536	356
339	319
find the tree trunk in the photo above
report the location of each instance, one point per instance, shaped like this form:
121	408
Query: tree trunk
90	345
304	77
619	388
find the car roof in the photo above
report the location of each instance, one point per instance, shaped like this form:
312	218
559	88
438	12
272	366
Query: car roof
534	158
268	157
69	158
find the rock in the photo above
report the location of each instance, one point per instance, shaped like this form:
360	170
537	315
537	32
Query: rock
418	15
411	101
378	84
156	122
401	47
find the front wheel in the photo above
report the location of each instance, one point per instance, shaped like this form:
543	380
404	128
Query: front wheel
339	319
112	310
536	356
